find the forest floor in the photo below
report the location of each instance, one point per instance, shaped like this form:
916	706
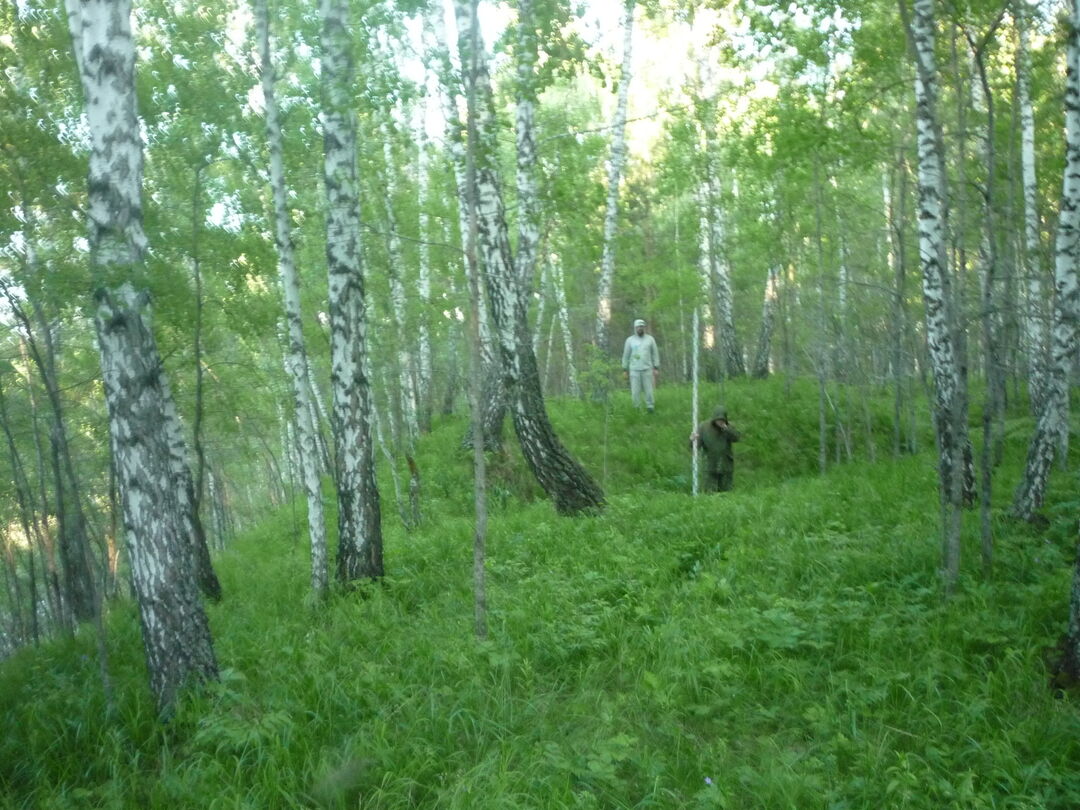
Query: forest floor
785	645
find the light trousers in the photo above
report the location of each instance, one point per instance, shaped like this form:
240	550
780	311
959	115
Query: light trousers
641	384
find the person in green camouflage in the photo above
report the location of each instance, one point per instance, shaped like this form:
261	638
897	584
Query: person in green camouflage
714	438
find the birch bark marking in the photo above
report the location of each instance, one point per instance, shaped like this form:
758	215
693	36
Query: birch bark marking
176	635
940	318
528	208
296	361
359	528
615	167
493	398
719	271
1034	330
1052	424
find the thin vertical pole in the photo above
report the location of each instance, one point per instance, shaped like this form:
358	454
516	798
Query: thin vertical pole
695	337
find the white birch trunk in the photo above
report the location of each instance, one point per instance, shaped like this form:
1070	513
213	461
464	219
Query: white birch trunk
614	176
319	417
176	635
711	326
761	368
424	360
296	362
1053	421
494	395
720	272
541	305
528	207
949	416
559	285
359	525
1033	312
395	268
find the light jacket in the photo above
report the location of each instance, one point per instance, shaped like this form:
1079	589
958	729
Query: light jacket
640	353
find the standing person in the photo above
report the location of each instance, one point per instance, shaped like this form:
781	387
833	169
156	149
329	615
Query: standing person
641	365
714	438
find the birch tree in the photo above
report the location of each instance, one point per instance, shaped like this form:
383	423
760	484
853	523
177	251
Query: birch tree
493	396
1053	422
1033	330
176	635
731	359
558	282
359	524
950	407
760	368
296	359
614	176
406	374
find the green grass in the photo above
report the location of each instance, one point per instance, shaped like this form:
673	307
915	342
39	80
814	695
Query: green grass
781	646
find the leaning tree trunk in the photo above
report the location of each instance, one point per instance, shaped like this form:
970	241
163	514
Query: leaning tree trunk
566	482
184	484
950	412
176	635
1033	310
296	360
359	527
615	167
1053	421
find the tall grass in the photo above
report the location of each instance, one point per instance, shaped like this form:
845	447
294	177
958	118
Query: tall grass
781	646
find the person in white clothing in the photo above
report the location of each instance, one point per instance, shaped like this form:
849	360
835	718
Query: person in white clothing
641	365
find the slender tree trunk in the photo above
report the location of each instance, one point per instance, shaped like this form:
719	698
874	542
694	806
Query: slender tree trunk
1054	419
614	176
296	360
761	369
991	323
1031	244
493	397
359	526
24	499
731	358
75	558
424	355
208	581
406	372
475	307
559	287
47	545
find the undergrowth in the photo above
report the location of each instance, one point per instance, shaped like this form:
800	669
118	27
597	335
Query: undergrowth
785	645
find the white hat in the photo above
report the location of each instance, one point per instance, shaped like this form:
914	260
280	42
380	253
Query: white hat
638	323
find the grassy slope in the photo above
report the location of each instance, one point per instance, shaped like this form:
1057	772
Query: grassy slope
784	645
